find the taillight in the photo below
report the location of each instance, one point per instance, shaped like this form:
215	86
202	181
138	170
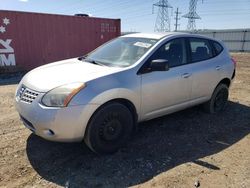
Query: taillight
234	61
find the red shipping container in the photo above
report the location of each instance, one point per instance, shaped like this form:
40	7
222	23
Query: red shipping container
28	40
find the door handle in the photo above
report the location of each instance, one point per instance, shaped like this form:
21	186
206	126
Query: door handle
218	67
186	75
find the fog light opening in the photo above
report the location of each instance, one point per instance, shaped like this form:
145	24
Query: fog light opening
49	132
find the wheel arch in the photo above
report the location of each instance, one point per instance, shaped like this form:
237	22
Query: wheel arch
225	81
127	103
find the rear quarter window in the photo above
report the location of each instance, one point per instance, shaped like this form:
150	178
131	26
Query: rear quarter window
217	47
200	49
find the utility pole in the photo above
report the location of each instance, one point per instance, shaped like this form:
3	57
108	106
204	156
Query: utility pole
177	13
162	23
192	15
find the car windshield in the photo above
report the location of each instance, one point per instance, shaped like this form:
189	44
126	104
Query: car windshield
121	52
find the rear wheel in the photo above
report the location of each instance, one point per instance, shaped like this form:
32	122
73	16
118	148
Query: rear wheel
218	100
109	128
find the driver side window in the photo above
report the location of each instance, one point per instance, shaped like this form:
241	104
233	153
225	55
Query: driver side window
174	51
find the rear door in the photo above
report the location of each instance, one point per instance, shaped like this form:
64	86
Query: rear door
205	68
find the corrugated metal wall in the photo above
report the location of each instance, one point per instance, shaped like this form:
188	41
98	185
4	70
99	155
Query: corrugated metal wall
237	40
29	40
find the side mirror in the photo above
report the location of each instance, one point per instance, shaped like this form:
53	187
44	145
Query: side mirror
159	65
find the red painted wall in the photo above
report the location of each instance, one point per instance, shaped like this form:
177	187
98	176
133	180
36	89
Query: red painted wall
28	40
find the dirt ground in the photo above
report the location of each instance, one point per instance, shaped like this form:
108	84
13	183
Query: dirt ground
173	151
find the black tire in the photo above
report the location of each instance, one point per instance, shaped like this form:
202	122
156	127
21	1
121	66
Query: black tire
218	100
109	128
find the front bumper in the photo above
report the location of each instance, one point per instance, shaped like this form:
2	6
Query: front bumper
56	124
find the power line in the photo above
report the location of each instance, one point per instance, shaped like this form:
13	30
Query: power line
192	15
101	6
162	23
126	10
177	13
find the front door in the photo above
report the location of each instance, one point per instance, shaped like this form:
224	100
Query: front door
163	91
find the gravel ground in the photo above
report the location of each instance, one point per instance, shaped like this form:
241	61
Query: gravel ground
177	150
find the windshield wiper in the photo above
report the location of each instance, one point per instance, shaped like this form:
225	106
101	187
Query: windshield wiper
85	59
92	61
82	57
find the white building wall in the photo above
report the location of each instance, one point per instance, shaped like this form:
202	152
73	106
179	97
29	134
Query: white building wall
236	40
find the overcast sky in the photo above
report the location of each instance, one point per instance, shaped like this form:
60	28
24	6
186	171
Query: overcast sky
137	15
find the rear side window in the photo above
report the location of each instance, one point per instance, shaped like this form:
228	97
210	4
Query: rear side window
200	49
217	47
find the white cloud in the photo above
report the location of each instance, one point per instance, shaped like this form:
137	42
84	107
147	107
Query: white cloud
24	1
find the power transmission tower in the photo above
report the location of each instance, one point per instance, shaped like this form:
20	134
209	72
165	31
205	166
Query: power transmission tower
162	23
192	15
177	13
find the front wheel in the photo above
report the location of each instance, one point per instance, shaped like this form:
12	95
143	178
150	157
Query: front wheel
109	128
218	100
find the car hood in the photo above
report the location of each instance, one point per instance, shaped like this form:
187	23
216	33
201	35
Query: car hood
52	75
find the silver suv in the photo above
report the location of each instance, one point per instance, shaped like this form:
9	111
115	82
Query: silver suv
100	97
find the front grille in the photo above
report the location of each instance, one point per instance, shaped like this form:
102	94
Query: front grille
27	95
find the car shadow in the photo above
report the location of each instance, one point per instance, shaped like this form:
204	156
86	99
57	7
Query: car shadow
158	146
11	78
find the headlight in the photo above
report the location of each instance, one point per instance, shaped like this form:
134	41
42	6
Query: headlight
61	96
